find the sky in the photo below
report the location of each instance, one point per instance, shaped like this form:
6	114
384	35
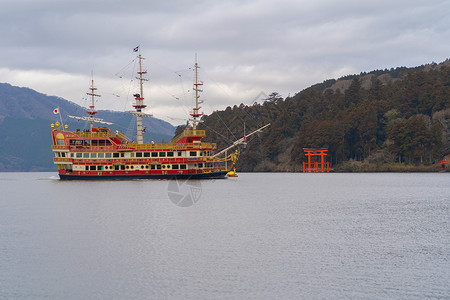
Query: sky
246	49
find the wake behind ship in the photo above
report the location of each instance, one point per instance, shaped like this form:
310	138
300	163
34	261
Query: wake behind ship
100	153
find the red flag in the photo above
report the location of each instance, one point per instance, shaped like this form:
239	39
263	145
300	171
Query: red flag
56	111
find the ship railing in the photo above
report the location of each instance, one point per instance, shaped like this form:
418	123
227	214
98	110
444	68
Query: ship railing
152	146
194	145
94	134
122	136
100	134
196	133
169	146
59	147
62	160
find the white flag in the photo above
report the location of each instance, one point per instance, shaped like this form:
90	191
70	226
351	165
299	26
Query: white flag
56	111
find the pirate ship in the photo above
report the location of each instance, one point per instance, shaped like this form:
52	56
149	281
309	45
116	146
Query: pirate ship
100	153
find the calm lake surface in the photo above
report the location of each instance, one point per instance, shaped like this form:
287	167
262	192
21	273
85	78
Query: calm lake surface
258	236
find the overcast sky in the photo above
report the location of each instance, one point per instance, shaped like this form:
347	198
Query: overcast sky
245	48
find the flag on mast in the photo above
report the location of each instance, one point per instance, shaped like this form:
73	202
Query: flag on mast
56	111
136	49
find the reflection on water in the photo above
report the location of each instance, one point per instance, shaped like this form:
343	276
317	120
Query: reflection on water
270	236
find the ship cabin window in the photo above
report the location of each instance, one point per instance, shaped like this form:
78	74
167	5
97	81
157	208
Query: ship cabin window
101	155
71	154
146	154
60	142
193	153
179	153
158	167
93	168
107	155
154	154
169	154
116	154
200	166
85	155
86	168
122	167
162	154
138	154
93	155
152	167
182	167
63	154
79	155
116	167
87	143
101	143
189	140
122	154
100	168
174	167
72	142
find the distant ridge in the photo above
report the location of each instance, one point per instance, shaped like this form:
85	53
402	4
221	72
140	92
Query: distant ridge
383	118
25	118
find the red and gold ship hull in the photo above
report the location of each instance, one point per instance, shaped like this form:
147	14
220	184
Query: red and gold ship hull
102	154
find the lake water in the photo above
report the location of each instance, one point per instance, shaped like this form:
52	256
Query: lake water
258	236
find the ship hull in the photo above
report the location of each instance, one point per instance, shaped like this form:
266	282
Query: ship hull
211	175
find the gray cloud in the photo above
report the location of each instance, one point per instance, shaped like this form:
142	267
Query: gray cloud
244	47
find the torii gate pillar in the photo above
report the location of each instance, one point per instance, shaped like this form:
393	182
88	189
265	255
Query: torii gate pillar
316	167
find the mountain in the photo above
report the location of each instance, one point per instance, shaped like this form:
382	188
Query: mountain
385	116
25	118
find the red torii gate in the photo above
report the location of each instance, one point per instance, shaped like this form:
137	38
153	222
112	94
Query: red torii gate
315	167
445	160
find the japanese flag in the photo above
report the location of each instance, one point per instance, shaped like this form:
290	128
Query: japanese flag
56	111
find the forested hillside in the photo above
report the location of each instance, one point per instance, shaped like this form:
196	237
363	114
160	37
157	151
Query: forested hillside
385	116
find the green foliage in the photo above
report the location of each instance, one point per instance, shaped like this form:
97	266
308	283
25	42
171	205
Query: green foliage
415	141
393	117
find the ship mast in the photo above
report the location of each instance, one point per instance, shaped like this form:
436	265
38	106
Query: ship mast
139	105
195	111
91	110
